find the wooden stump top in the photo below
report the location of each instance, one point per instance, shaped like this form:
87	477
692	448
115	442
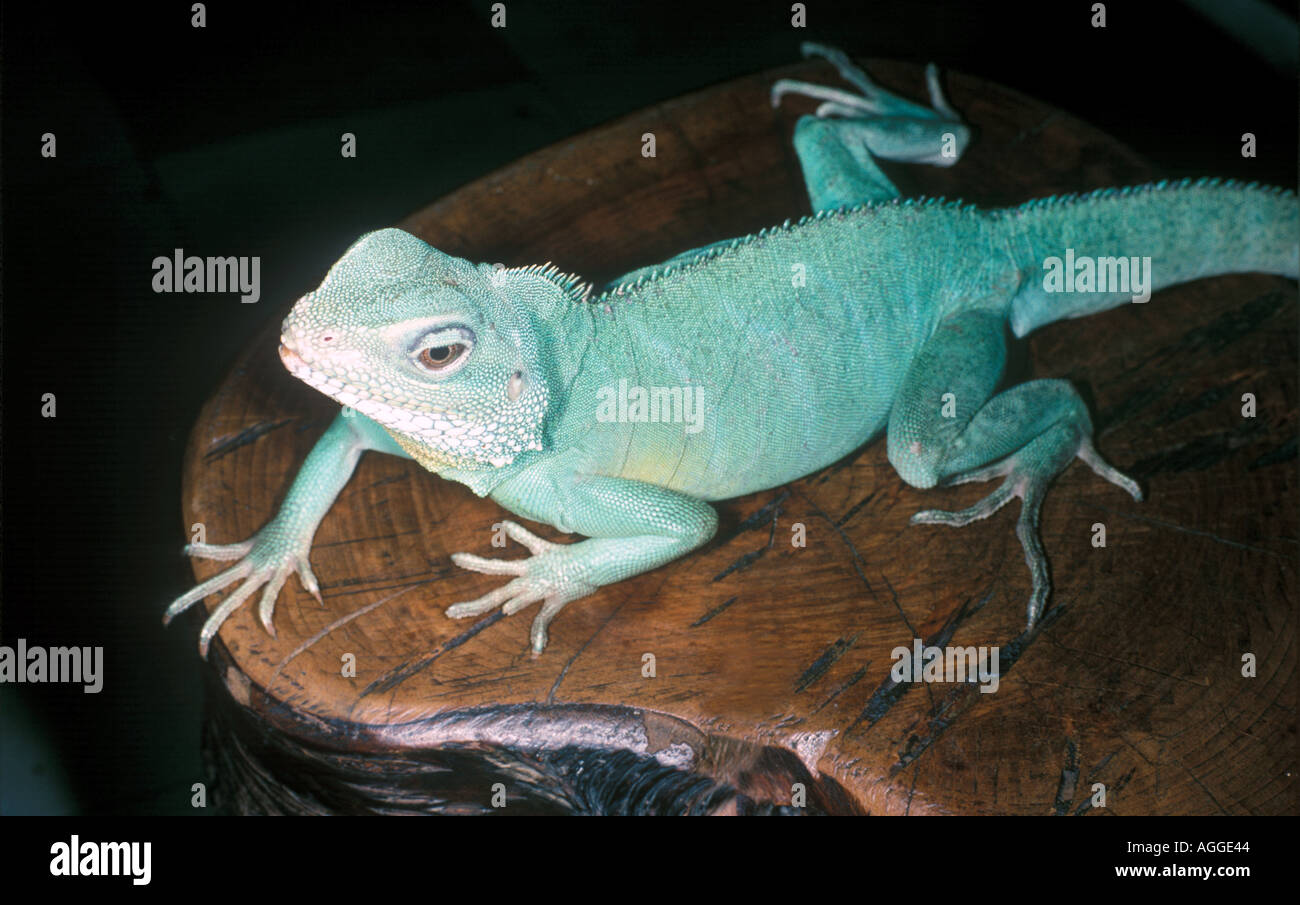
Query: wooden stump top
768	653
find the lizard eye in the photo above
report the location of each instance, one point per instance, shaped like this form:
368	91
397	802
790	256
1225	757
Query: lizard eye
444	351
439	358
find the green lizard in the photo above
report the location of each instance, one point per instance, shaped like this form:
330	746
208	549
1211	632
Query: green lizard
505	379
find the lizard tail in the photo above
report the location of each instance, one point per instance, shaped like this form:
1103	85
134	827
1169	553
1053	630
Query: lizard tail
1087	253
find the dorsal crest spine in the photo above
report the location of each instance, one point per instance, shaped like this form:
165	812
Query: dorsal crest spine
573	286
717	251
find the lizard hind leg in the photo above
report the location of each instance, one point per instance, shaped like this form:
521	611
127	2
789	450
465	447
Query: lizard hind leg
836	146
1028	473
948	427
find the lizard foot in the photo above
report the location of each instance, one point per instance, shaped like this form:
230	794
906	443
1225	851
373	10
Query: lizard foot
873	100
263	560
1028	474
541	577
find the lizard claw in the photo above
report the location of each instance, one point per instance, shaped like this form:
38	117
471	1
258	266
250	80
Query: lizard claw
515	596
1031	492
261	561
889	126
539	578
308	579
871	99
1030	484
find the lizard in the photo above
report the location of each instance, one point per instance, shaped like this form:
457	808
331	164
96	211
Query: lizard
502	378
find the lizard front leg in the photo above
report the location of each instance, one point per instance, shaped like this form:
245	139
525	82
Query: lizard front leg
632	527
283	545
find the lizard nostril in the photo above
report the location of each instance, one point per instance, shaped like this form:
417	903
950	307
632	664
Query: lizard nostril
327	338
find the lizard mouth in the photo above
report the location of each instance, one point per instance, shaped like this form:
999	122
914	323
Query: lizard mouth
335	387
309	375
290	358
313	378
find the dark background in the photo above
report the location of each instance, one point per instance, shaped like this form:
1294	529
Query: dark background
225	141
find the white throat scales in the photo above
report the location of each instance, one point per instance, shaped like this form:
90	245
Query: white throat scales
438	438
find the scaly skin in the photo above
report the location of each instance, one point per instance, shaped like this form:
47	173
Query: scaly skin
803	341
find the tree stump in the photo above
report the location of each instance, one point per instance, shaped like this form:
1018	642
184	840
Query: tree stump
771	661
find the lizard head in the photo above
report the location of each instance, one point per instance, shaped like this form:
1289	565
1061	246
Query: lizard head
428	346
